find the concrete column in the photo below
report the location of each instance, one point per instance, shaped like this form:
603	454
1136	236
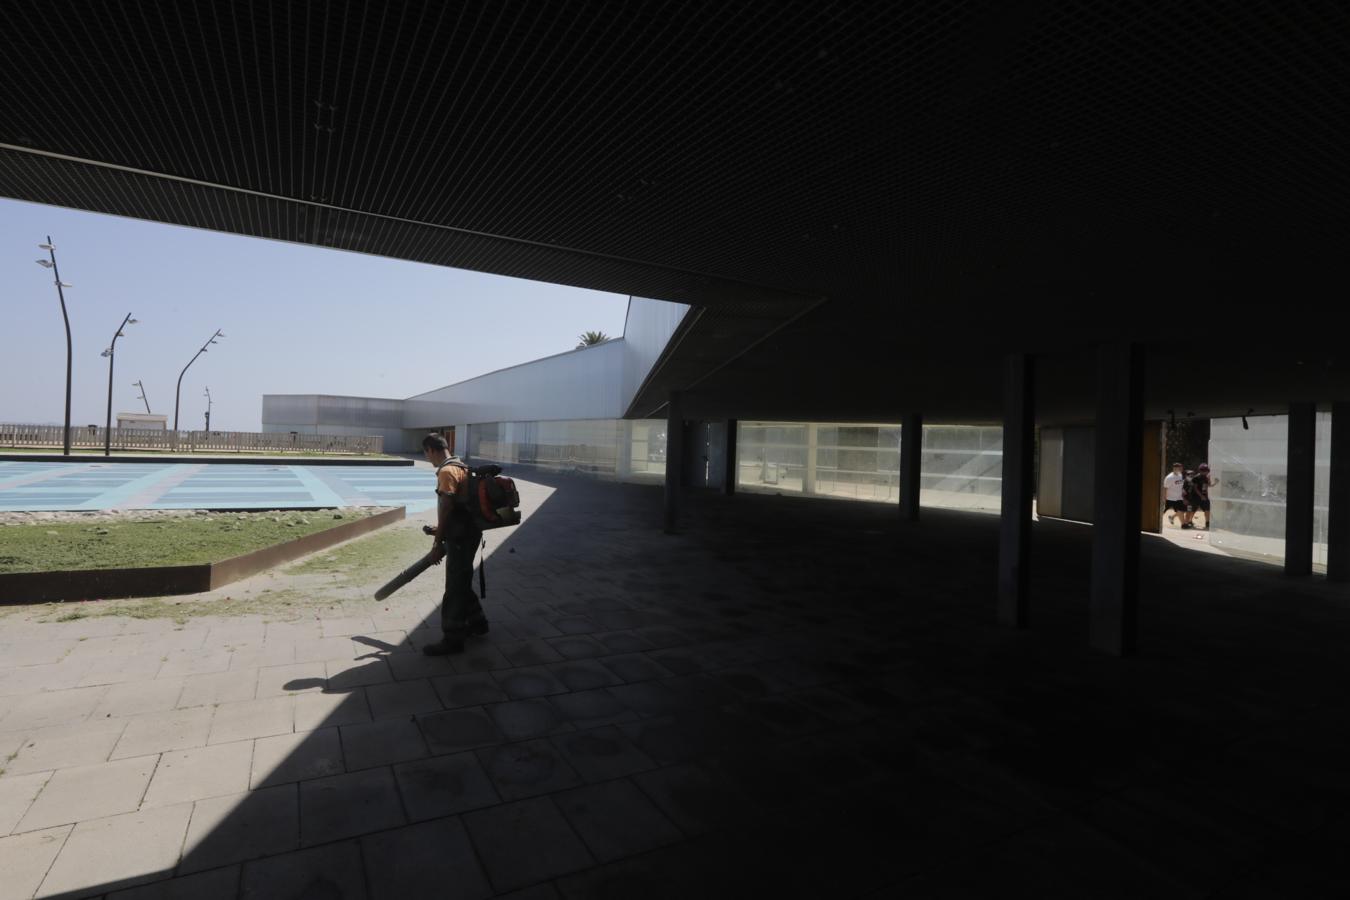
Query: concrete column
1014	541
809	473
729	464
674	458
1298	521
1338	512
1116	508
911	463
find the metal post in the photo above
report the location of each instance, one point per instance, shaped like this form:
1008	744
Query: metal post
1298	522
107	421
1014	556
730	465
1114	598
674	459
60	293
179	389
809	473
911	459
1338	505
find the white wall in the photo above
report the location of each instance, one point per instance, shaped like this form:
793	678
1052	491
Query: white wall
646	332
579	384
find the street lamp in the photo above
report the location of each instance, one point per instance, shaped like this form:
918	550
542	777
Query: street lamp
110	352
208	408
143	397
178	390
60	293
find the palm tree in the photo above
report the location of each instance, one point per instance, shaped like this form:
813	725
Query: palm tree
591	338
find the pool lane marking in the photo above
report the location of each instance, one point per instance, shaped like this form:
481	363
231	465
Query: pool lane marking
323	494
145	492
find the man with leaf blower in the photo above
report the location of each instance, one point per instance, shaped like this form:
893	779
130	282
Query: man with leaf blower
456	538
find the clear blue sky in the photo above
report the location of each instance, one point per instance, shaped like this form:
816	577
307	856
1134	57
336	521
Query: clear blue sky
297	319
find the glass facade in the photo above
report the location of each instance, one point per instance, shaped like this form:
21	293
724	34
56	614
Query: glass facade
614	449
1250	472
962	464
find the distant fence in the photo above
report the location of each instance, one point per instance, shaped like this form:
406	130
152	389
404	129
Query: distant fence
91	438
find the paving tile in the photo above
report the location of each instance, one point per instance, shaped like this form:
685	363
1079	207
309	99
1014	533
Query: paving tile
382	743
121	669
545	891
444	785
342	806
468	690
277	681
696	798
284	758
526	769
584	674
324	649
49	708
55	677
176	729
334	872
221	687
17	793
402	698
90	792
33	653
529	653
478	657
574	625
340	627
376	645
407	666
615	819
217	884
432	859
119	851
66	745
602	753
524	719
590	709
328	709
194	662
533	681
266	656
140	697
252	719
578	646
635	667
240	827
343	674
26	858
186	775
459	729
525	842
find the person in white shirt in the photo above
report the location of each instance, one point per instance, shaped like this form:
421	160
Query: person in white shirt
1174	487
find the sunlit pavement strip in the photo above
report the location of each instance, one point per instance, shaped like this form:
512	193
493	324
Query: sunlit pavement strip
41	487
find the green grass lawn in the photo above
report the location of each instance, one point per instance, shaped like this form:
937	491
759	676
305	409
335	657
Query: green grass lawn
190	540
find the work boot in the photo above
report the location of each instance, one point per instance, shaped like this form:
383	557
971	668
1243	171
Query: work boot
444	647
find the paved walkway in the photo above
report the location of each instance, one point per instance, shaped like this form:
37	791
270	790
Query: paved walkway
793	698
42	486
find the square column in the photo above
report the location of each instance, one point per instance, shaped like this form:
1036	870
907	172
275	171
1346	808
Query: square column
1338	511
809	473
729	463
674	459
1014	537
1298	521
911	463
1116	506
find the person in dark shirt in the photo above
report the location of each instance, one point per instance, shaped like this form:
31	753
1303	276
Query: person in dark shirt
1199	484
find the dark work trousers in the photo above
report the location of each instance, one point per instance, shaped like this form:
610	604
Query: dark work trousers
460	610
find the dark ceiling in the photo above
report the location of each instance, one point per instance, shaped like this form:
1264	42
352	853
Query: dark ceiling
880	187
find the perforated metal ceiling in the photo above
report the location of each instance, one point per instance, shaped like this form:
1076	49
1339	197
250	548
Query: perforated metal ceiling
887	156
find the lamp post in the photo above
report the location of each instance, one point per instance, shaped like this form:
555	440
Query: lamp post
179	390
208	407
143	397
110	352
60	293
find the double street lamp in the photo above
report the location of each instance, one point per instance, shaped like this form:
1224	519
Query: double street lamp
143	397
112	349
208	407
60	293
178	390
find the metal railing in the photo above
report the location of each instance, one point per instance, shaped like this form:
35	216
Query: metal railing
91	437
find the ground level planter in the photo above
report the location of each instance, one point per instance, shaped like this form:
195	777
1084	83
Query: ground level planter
161	581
